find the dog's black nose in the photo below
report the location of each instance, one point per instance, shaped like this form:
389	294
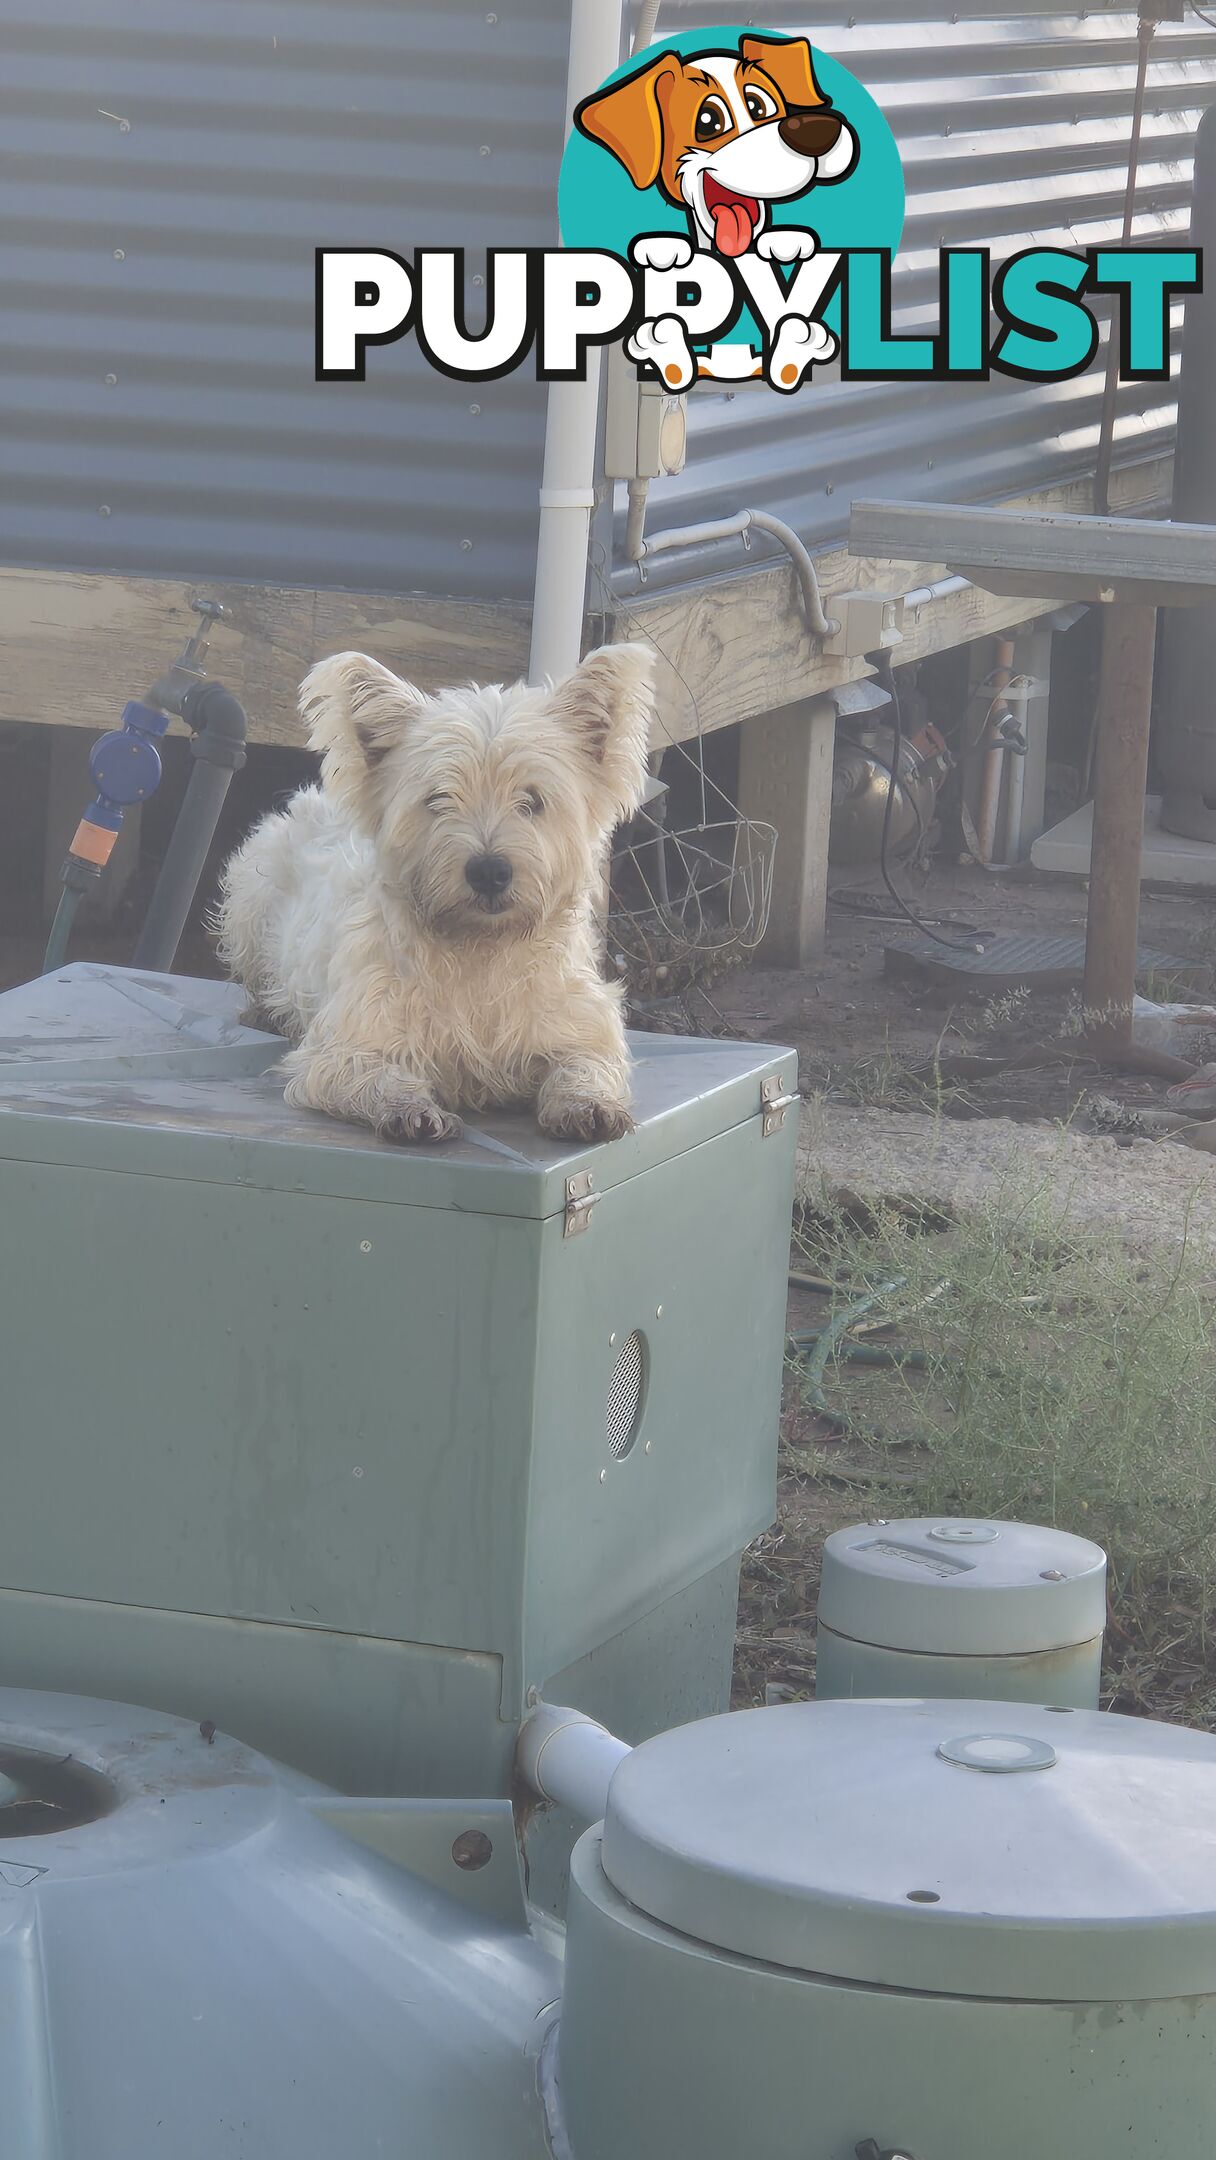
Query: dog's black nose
812	133
488	875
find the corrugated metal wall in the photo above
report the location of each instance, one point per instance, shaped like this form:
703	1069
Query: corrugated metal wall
1014	132
168	167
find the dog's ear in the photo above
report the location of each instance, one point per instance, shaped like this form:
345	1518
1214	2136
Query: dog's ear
609	704
788	63
356	712
628	118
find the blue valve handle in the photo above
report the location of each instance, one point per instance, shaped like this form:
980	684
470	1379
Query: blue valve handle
125	768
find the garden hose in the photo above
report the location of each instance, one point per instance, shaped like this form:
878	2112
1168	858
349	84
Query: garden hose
61	930
828	1344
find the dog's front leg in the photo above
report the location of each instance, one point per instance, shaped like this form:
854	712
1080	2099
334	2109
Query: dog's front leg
348	1073
585	1093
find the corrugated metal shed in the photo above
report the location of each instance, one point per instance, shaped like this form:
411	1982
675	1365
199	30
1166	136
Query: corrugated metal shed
1014	128
168	167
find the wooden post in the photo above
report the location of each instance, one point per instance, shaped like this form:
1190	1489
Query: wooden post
785	780
1125	699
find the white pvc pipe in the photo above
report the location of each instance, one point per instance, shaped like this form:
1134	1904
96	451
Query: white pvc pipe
567	494
567	1757
819	624
647	22
941	591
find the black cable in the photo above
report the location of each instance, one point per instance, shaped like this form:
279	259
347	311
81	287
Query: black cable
881	664
1202	17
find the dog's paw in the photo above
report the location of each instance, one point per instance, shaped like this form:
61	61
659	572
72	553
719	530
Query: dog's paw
798	346
662	251
787	244
581	1117
665	347
417	1121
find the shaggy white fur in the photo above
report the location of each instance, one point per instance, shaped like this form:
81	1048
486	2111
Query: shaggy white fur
421	924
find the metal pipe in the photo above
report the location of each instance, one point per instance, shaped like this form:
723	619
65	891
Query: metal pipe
819	624
994	761
647	22
1125	702
567	1757
567	493
218	750
1019	699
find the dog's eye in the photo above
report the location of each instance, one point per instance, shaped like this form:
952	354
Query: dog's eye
759	104
532	804
712	120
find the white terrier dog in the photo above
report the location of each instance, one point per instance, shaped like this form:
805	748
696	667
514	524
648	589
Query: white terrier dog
421	924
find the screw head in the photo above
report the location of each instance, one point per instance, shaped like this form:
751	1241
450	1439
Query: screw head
612	1339
474	409
365	1244
110	381
120	254
658	1312
103	510
603	1477
466	547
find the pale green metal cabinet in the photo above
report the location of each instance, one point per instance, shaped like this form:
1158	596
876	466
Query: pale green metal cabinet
346	1447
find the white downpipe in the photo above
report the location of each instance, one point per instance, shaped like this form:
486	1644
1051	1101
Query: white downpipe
567	494
647	22
567	1757
735	528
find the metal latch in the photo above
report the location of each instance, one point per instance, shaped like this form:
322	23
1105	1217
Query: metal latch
579	1202
774	1102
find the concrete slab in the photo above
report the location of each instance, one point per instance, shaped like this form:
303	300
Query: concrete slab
1165	859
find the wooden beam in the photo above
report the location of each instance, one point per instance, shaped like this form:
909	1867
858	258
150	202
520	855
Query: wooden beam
77	647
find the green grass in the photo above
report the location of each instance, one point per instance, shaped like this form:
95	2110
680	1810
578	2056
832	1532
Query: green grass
1063	1380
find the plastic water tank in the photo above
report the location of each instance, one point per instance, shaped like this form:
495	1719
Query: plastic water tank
954	1928
1005	1610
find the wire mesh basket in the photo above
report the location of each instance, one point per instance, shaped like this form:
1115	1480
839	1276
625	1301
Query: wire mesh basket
686	906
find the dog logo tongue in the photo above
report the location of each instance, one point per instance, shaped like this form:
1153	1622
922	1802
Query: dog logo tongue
735	217
733	228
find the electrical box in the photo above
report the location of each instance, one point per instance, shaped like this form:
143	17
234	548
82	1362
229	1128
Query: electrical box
869	622
645	425
346	1446
948	1607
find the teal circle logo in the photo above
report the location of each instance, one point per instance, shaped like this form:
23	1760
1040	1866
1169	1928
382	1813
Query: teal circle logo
730	138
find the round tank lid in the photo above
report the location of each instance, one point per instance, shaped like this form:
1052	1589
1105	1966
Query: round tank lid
962	1588
961	1848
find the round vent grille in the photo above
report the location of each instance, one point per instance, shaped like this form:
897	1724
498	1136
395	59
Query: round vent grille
623	1415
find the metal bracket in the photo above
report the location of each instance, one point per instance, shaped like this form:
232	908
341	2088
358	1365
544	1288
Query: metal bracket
579	1202
774	1102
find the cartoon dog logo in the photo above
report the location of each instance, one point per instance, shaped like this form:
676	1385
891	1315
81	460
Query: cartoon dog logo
724	135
